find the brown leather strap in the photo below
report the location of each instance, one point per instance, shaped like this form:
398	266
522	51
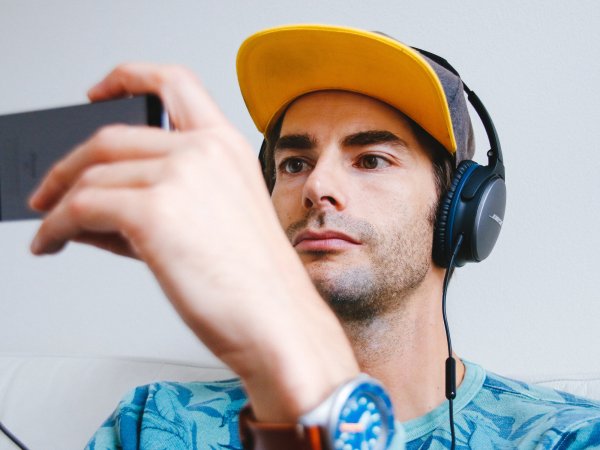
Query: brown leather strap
277	436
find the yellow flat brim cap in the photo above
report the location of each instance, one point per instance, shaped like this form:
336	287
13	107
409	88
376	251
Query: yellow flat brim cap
277	65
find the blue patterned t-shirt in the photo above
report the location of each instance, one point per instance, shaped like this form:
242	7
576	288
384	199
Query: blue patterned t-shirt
490	412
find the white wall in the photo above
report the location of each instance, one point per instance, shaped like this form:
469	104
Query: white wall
531	308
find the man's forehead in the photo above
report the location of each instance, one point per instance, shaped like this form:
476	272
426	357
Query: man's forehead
334	104
344	111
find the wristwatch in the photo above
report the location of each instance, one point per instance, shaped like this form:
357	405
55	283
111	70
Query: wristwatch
358	415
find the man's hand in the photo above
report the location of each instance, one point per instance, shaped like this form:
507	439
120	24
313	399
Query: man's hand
193	206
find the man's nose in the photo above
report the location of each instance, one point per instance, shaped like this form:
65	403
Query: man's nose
324	187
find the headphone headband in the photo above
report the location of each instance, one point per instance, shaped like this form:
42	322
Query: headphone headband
495	152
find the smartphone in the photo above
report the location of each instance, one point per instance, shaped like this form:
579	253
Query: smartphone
31	142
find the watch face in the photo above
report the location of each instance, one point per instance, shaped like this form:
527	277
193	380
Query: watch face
365	420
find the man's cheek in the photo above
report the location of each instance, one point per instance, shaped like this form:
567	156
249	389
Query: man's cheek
281	208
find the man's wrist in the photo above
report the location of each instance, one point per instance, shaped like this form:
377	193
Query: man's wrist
359	412
297	381
301	363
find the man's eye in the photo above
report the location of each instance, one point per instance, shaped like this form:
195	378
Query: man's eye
292	165
372	162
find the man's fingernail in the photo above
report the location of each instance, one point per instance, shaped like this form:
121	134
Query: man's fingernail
33	199
93	91
36	246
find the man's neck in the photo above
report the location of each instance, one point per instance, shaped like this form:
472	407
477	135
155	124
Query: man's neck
406	350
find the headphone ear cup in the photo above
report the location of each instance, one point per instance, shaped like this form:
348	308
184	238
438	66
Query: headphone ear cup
442	240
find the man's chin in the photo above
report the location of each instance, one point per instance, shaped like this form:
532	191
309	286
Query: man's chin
331	276
351	293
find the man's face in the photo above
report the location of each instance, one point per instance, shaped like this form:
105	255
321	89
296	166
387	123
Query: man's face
355	193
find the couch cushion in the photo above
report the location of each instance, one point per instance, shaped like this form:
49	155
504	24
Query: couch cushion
584	385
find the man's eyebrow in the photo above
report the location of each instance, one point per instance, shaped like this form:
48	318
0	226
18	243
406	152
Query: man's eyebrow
371	137
295	142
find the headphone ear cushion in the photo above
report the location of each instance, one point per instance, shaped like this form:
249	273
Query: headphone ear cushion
441	238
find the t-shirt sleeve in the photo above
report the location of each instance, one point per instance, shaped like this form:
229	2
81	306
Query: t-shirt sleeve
584	436
122	429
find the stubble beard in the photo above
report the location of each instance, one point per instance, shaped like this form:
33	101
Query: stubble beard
397	263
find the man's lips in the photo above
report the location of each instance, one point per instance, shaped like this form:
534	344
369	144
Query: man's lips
326	240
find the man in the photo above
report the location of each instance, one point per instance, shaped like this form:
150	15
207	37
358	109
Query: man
355	184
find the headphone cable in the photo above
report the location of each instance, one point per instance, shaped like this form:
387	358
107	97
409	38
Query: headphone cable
450	362
12	437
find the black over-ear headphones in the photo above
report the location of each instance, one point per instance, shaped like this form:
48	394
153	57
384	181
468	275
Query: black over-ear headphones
474	205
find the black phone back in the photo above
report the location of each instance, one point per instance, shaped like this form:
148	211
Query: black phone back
31	142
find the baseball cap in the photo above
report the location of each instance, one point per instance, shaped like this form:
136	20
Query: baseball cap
277	65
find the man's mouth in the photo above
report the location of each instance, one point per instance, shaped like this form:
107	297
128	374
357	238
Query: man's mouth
323	241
